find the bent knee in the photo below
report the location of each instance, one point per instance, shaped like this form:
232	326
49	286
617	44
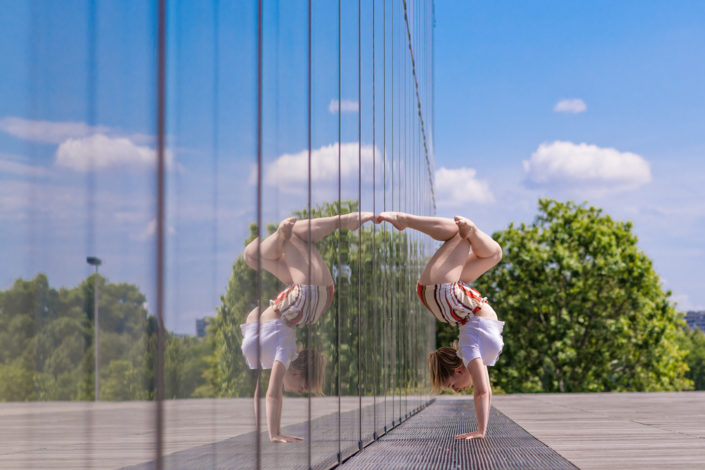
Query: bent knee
250	254
497	257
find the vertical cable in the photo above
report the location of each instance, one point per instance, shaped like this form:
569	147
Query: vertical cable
392	272
161	186
374	245
384	201
399	248
359	212
258	404
310	245
340	232
401	160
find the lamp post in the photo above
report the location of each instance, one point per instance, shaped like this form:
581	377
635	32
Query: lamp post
94	261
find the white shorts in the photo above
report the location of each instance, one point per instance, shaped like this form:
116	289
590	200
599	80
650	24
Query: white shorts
480	337
278	343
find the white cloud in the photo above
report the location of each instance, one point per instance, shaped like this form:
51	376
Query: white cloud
46	131
99	152
289	172
574	106
82	147
150	231
460	186
348	106
17	166
586	167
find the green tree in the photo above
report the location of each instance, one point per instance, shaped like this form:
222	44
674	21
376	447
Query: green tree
693	342
47	338
120	381
584	308
185	361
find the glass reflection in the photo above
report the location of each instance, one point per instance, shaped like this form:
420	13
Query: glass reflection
340	134
269	338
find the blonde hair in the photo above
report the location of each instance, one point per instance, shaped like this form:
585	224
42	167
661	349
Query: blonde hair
442	364
314	374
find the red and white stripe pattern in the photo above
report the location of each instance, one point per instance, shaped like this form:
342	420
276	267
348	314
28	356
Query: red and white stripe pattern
300	305
451	303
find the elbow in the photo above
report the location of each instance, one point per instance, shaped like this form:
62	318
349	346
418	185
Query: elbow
274	395
482	393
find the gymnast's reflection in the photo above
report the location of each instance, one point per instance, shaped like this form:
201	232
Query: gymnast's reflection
291	256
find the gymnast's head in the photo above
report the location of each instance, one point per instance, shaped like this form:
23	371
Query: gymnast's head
448	370
305	373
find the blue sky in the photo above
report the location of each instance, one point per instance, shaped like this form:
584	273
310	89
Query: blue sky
590	101
637	69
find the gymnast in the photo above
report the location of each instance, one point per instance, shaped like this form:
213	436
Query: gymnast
443	289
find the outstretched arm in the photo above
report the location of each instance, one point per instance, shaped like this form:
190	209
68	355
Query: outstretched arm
274	405
482	396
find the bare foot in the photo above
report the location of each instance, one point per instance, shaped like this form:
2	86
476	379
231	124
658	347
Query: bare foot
285	228
394	218
353	220
466	227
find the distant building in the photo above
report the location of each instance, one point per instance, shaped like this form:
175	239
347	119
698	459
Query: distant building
696	320
201	325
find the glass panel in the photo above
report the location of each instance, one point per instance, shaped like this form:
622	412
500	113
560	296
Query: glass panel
325	424
286	255
349	252
212	215
77	172
342	135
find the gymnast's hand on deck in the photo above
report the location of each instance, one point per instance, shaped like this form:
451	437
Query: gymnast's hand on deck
471	435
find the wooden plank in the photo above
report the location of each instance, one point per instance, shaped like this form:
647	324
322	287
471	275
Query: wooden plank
615	430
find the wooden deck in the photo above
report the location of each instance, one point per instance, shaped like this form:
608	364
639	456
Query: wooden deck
593	431
617	430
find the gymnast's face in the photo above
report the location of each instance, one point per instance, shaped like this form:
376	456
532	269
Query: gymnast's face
460	380
294	381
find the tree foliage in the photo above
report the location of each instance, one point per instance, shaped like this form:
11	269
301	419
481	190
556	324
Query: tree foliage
693	341
48	339
583	306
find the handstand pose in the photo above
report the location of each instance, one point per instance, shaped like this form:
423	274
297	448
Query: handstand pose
443	289
285	254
